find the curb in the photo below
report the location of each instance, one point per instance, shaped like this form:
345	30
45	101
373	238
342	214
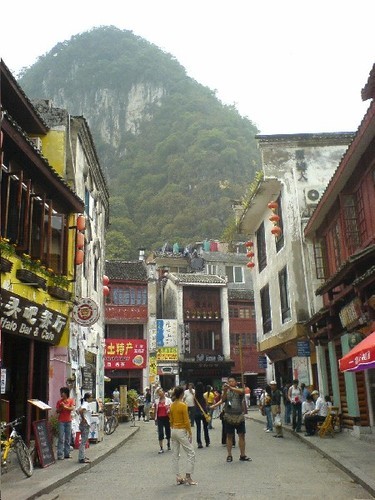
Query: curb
349	469
82	468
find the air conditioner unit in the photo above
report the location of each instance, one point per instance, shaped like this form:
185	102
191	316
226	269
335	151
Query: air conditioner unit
37	142
313	195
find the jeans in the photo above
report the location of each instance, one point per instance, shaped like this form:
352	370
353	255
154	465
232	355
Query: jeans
288	411
199	418
65	437
297	416
85	430
191	411
268	411
180	439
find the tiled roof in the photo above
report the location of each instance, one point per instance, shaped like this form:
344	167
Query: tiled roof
125	270
224	257
368	91
197	278
240	294
370	272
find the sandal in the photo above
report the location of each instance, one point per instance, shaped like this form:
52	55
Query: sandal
244	458
229	458
180	480
84	461
190	482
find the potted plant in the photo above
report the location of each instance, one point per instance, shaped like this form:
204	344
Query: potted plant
29	270
53	427
132	399
6	250
59	286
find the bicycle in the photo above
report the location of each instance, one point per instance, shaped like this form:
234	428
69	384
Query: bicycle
15	443
111	419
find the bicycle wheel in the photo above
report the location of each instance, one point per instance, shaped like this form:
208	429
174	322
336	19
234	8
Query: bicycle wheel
24	457
110	425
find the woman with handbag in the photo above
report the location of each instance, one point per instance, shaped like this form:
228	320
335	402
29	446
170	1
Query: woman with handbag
201	415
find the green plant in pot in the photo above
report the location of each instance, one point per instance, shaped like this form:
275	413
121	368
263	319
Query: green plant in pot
132	398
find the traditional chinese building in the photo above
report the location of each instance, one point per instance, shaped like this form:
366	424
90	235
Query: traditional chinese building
38	208
127	320
342	233
295	170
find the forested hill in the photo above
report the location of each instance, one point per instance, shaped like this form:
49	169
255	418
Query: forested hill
173	154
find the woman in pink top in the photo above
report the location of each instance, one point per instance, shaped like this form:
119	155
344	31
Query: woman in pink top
162	406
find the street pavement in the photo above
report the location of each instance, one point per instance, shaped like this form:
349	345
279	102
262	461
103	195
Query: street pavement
136	452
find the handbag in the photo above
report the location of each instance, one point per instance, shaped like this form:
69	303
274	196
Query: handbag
206	415
234	420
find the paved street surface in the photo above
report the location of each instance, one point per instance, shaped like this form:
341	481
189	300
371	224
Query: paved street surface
282	468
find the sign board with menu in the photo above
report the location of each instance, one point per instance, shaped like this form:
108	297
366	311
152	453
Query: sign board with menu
43	443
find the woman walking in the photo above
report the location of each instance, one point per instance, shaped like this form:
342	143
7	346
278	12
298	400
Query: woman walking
200	404
181	436
162	407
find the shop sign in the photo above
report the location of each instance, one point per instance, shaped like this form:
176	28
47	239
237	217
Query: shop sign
167	354
85	312
262	362
351	314
209	358
185	338
303	348
20	316
125	354
166	332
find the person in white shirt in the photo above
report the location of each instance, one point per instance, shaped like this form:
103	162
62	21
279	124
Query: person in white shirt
84	426
318	414
307	407
188	398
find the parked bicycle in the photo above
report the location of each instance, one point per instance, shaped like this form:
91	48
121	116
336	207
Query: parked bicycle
15	443
111	417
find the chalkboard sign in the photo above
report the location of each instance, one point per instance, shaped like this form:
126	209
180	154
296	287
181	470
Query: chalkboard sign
43	443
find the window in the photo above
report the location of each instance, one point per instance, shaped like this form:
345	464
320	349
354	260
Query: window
266	309
284	296
31	221
239	312
205	340
211	269
129	296
351	225
244	312
334	245
280	239
234	274
261	247
319	256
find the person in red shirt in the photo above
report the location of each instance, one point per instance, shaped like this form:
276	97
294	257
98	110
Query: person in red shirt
64	408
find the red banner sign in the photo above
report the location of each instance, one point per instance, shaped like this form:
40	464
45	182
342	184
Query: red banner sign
125	354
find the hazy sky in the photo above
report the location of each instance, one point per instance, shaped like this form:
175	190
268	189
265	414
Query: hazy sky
290	66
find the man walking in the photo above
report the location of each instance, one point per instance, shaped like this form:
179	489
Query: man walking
276	408
234	419
189	395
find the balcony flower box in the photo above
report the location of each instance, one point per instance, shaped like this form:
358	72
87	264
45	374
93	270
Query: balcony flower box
27	276
59	293
5	265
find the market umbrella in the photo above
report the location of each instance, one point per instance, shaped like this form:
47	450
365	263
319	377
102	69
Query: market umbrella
361	357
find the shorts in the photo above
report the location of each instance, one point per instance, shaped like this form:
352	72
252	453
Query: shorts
230	429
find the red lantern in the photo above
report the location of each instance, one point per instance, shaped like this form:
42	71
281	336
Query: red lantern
105	291
250	255
250	265
105	280
272	205
274	218
276	230
79	257
249	244
80	240
81	223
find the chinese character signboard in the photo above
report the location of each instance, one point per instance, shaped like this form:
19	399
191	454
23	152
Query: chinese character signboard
125	354
152	369
166	332
152	340
303	348
29	319
167	354
185	338
262	362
